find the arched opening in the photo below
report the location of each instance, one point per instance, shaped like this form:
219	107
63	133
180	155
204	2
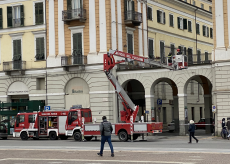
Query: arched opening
199	104
136	92
165	104
77	93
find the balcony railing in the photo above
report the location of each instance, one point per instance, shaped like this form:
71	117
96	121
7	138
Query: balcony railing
14	65
17	22
73	60
134	17
74	14
40	55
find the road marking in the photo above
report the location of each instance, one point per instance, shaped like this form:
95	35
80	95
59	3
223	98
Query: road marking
88	160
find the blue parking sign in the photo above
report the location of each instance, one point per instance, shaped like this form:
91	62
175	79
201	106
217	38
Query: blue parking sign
159	101
47	108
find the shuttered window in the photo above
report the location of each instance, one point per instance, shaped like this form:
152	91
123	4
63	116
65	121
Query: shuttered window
17	49
198	28
40	48
190	58
151	49
205	31
162	51
1	25
211	33
130	43
172	49
22	15
39	13
77	48
189	26
150	13
185	51
206	57
171	21
161	17
9	17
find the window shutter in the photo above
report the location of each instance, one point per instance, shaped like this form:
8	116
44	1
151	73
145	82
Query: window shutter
185	24
37	48
172	49
133	6
185	53
150	49
9	17
171	20
149	13
77	44
130	43
211	33
178	22
19	49
15	48
164	18
158	16
206	56
81	4
38	13
198	57
125	5
207	32
162	51
1	26
22	15
189	26
42	47
203	30
69	4
197	28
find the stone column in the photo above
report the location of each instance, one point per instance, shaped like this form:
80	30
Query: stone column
207	112
182	103
176	113
149	105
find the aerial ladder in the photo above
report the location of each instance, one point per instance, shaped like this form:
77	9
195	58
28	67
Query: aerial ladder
109	62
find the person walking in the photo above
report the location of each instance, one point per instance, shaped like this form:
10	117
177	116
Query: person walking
192	132
106	130
228	126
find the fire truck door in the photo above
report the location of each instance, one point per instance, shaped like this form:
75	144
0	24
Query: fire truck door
61	124
43	125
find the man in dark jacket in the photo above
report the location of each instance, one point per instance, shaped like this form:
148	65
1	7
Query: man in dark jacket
192	132
106	130
228	126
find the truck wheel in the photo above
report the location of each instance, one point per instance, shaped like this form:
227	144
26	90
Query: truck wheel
123	136
88	138
62	137
53	136
24	136
35	138
77	136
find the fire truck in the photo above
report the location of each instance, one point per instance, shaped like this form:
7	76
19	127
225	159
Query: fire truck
49	124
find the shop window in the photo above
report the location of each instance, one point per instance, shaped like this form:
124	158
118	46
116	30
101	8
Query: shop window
40	83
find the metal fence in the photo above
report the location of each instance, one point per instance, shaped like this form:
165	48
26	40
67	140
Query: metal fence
73	60
79	13
131	15
14	65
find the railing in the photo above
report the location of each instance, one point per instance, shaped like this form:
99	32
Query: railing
14	65
17	22
131	15
68	15
73	60
40	55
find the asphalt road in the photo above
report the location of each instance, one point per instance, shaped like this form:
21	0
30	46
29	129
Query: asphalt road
157	149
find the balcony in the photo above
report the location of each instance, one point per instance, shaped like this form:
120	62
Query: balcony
132	17
74	62
16	66
74	14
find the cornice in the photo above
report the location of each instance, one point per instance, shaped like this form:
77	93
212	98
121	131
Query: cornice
19	34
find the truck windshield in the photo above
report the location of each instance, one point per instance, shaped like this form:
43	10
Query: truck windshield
72	117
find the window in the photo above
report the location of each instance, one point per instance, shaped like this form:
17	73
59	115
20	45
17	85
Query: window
40	49
86	114
210	9
39	13
190	57
72	116
17	49
151	49
185	51
160	16
198	57
31	118
197	28
150	15
205	31
192	87
202	5
77	48
40	83
162	50
74	4
172	47
206	57
211	33
19	119
129	7
182	23
201	112
15	16
189	26
194	3
171	20
130	43
1	23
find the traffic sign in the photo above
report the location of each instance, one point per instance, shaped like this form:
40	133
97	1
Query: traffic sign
46	107
214	108
147	112
159	101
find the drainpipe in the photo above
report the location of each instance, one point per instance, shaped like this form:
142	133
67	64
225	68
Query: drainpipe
46	103
195	26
